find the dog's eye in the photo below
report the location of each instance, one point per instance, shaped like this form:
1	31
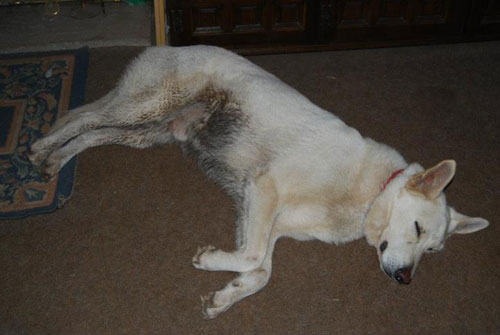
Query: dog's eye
417	228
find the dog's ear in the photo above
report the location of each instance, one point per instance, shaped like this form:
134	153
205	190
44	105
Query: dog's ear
462	224
431	182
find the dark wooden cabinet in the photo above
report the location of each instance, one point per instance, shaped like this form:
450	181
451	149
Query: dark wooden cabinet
235	22
327	24
383	19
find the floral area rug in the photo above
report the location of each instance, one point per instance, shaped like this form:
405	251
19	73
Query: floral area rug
35	90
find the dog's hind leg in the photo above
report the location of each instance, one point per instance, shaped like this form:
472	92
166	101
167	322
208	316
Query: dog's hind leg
260	217
138	137
247	283
73	114
141	135
118	109
75	122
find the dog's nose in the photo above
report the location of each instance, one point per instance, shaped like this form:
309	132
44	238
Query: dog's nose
403	275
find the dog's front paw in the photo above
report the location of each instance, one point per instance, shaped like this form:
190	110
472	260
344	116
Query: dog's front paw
213	304
199	260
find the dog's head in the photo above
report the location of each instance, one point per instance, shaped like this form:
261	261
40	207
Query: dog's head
410	217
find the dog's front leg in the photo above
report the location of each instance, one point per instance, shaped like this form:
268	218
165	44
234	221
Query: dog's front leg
261	200
245	284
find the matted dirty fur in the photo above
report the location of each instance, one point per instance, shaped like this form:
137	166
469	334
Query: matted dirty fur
292	168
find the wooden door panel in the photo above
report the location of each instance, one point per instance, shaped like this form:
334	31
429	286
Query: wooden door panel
354	13
289	15
207	18
393	13
364	13
432	11
249	16
391	19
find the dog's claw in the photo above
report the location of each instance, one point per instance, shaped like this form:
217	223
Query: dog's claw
207	301
47	172
47	177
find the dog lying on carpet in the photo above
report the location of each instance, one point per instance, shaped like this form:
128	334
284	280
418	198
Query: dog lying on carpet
292	168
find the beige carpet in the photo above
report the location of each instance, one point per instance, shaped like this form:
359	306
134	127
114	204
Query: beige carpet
116	259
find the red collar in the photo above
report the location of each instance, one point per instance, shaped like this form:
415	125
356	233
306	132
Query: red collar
391	177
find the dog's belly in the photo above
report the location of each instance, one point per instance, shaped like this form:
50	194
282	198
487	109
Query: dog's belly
224	146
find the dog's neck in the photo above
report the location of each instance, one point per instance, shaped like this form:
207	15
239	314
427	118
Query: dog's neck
391	178
376	216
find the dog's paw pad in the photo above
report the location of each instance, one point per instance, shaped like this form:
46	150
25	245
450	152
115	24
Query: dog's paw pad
199	253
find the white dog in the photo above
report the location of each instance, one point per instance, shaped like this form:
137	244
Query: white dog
292	168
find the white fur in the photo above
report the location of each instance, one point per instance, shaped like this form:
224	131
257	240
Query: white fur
297	170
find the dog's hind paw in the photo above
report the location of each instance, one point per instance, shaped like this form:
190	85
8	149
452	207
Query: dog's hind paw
49	169
211	307
36	158
197	263
37	153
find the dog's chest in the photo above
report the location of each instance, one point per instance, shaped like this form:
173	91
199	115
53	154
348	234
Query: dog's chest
337	224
